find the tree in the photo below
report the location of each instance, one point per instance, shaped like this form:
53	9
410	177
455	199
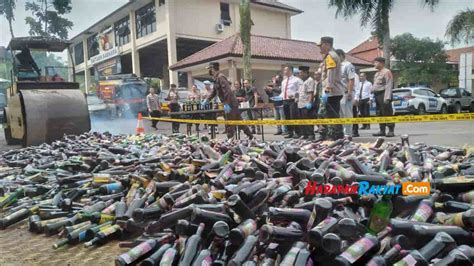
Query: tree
6	9
375	13
420	60
461	27
48	19
245	28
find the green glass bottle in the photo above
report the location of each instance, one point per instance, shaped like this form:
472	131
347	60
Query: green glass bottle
380	215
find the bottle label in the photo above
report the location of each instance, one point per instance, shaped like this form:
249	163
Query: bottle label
136	252
290	256
357	250
218	194
312	218
110	209
114	188
82	236
407	261
227	174
325	222
468	197
423	213
106	218
248	228
455	219
207	261
378	222
168	257
110	230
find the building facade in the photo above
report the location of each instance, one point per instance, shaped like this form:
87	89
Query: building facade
145	37
464	59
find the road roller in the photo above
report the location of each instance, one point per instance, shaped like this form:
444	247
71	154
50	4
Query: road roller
42	106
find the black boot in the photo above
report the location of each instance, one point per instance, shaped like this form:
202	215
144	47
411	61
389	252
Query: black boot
379	134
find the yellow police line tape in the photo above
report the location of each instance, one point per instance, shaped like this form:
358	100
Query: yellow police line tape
329	121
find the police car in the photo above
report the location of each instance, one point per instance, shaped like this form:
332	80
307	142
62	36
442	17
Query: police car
418	100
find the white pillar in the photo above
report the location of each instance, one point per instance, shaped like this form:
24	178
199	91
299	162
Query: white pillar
87	75
70	64
135	55
232	70
288	26
171	40
190	79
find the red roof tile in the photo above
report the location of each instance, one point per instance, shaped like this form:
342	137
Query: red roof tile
370	44
454	54
263	47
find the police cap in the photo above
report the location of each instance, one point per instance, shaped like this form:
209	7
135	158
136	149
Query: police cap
326	39
380	59
213	65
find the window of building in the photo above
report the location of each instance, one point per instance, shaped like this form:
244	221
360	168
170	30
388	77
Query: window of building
78	54
122	31
225	14
161	3
93	45
146	20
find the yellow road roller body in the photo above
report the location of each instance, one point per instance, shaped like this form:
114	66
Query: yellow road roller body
42	108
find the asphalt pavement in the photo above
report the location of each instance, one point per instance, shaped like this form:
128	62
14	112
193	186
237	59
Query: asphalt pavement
453	134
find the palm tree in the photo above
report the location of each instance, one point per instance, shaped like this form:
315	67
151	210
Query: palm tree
245	27
6	9
461	27
375	13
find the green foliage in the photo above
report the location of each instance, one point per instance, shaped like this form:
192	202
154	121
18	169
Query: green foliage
43	60
48	18
7	8
373	13
5	70
420	60
461	27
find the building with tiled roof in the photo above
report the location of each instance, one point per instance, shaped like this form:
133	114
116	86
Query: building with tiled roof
455	54
269	55
463	58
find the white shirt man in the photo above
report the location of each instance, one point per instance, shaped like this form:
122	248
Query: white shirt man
289	87
363	90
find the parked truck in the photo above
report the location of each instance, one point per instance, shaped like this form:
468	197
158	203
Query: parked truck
125	94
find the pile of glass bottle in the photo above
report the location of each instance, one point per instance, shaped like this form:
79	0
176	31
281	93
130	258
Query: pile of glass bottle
180	200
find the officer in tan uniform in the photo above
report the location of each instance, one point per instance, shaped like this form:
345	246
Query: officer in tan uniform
332	86
382	88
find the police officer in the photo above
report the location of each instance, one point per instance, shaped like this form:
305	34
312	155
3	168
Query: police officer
382	88
332	85
227	97
305	102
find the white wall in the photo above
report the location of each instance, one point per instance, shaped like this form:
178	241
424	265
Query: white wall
465	71
199	18
269	23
